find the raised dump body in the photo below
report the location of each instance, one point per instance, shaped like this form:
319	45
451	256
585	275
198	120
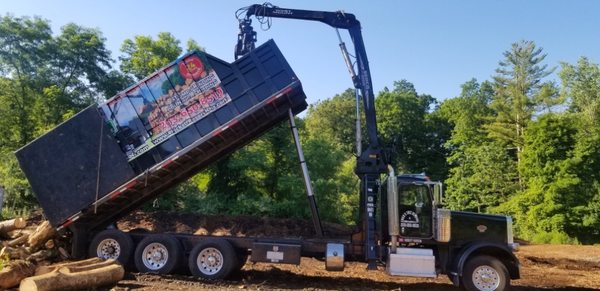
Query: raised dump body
109	159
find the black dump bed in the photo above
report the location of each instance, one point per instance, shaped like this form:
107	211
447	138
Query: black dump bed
109	159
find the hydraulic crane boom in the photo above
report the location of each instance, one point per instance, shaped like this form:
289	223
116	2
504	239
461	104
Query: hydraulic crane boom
362	80
372	161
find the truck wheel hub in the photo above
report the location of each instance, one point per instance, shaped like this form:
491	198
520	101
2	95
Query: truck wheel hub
486	278
209	261
155	256
212	260
108	249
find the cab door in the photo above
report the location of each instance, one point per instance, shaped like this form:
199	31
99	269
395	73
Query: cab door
415	210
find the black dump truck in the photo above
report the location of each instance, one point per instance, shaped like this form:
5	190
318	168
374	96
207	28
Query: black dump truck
109	159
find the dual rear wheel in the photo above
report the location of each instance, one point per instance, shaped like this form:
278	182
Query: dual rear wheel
212	258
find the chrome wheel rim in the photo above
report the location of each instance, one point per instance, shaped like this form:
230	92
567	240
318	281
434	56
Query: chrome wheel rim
108	249
486	278
209	261
155	256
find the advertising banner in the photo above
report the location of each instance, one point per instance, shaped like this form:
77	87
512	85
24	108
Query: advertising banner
165	103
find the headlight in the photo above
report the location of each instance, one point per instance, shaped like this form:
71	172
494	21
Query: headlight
443	225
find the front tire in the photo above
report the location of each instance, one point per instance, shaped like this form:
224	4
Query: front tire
485	273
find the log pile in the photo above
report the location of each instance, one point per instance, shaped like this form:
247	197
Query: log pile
33	244
26	254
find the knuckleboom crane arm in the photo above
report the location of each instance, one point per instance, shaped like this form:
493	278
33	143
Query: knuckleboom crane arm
341	20
372	161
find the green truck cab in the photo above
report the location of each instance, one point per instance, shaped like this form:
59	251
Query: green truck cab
474	250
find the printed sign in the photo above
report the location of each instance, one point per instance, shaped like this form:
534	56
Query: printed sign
165	103
409	219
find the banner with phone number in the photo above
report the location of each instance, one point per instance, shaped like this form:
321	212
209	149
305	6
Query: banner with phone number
177	97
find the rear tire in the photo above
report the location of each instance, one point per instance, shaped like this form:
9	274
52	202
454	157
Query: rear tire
485	273
112	244
213	259
160	253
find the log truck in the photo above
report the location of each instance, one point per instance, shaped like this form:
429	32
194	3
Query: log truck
198	109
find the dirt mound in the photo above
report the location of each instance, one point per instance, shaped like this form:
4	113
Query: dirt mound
223	225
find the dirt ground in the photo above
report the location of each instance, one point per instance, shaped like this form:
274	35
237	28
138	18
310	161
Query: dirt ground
543	267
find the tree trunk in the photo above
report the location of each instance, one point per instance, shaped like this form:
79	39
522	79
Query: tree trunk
66	279
12	274
12	224
41	235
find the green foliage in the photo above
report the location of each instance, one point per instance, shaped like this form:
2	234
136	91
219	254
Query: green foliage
481	177
549	171
481	173
518	91
193	45
334	119
415	136
13	212
264	178
581	84
553	237
43	80
144	55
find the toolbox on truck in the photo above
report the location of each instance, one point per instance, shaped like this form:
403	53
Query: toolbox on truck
110	159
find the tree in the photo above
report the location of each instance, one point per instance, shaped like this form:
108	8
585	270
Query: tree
193	45
481	173
415	137
44	80
519	90
581	85
546	211
481	178
334	119
144	55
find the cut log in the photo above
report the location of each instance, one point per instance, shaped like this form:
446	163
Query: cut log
18	241
18	232
49	244
12	224
41	235
47	269
16	271
65	279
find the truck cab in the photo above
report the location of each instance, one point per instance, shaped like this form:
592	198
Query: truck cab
424	239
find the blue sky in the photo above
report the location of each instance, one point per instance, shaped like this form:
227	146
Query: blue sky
437	45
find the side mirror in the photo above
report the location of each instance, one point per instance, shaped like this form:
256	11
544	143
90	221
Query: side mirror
438	194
